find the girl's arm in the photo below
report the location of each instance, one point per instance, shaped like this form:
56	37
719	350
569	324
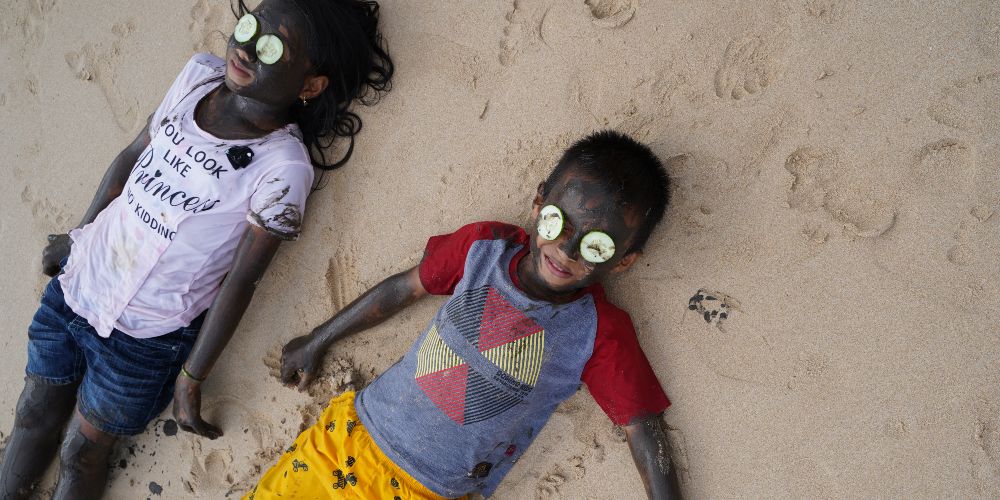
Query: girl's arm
301	357
651	452
110	188
253	254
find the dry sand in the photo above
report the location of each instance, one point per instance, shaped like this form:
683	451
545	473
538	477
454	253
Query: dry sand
836	177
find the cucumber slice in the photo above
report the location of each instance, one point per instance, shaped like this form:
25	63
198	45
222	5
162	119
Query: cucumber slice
597	247
550	222
246	28
269	49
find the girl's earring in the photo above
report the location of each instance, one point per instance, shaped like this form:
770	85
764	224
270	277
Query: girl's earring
304	102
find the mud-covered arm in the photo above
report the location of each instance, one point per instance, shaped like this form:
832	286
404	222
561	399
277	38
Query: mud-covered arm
253	254
112	184
302	356
647	439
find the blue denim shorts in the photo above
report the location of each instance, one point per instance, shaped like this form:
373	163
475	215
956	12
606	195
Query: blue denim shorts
123	382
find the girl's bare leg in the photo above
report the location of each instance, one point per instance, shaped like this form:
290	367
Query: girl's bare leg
41	415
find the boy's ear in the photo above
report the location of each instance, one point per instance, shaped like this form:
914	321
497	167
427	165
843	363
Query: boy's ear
313	86
536	204
626	262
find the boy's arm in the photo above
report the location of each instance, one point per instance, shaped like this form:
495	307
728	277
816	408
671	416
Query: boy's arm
253	255
111	186
301	357
647	439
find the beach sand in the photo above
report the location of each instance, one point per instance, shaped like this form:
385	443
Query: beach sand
836	182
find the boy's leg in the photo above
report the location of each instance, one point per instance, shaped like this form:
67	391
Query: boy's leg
42	412
337	458
83	460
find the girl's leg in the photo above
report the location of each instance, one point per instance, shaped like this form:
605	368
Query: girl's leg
83	460
42	412
55	367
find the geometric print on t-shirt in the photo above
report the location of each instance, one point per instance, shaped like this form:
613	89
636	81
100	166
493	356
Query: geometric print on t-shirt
504	335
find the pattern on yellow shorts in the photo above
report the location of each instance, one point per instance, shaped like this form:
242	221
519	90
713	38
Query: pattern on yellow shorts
336	458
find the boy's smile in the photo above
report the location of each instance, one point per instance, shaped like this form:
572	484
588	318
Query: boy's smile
554	268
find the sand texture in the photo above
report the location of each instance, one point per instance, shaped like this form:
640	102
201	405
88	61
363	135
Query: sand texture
836	187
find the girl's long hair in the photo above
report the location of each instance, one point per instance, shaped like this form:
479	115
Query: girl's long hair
345	45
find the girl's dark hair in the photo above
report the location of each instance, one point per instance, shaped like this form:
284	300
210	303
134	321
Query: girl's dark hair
626	166
344	44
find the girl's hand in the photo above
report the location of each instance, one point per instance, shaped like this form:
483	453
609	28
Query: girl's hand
53	254
187	408
300	362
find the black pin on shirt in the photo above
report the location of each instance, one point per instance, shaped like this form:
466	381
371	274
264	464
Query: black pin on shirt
239	156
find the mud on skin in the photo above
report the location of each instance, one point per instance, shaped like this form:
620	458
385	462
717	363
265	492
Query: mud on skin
587	205
42	411
83	469
234	111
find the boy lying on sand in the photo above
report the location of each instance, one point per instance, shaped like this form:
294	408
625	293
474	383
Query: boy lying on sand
527	321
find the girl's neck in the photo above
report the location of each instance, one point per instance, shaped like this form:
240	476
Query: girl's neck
227	115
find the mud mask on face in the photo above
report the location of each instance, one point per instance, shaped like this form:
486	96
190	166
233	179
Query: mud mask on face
269	47
596	247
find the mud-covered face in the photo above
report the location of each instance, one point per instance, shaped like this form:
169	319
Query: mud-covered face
587	207
279	82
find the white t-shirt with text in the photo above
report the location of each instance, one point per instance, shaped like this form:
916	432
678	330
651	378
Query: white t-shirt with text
154	259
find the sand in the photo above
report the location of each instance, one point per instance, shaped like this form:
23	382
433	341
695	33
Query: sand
835	181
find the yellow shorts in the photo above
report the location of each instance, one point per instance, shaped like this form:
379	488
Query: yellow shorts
336	458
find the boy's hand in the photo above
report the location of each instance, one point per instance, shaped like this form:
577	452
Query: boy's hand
300	362
302	357
187	408
53	254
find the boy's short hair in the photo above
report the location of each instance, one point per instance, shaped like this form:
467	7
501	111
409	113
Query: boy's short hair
618	160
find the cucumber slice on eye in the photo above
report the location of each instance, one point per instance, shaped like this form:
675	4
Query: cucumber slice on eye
246	28
597	247
269	49
550	222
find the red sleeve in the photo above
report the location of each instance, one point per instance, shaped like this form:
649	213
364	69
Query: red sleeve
618	374
444	257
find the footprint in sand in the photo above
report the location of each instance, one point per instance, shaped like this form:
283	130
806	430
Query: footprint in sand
522	29
827	11
34	24
748	67
221	472
53	216
100	64
679	454
611	14
232	413
211	473
945	164
986	453
528	160
550	485
80	65
342	278
823	185
209	20
988	29
951	167
714	307
30	85
970	105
